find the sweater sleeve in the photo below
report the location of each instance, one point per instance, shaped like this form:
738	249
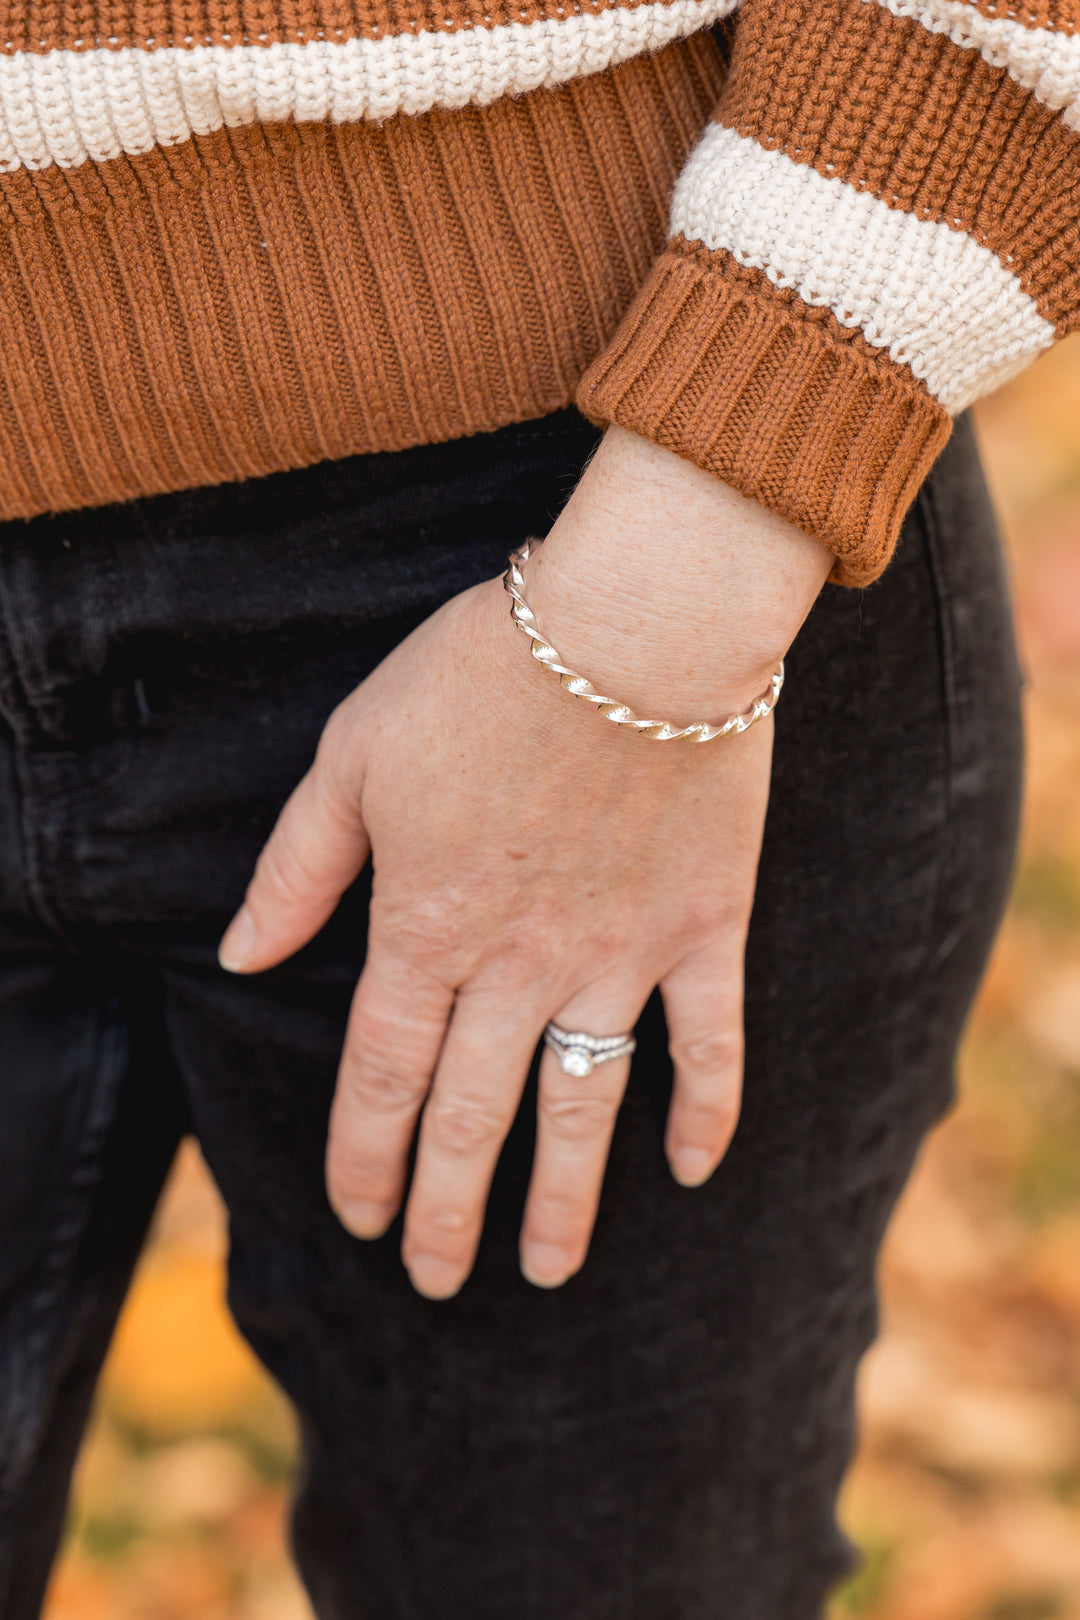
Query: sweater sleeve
881	224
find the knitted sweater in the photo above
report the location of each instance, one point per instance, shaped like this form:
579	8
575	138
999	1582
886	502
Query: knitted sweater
788	240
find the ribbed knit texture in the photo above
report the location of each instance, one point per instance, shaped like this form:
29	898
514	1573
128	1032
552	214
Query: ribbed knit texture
246	236
879	226
273	296
778	405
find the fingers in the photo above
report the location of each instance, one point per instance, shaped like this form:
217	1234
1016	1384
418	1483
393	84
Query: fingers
396	1028
399	1035
576	1117
317	848
476	1092
703	1003
575	1120
478	1085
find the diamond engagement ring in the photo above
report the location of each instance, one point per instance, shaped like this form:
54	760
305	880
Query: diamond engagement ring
580	1053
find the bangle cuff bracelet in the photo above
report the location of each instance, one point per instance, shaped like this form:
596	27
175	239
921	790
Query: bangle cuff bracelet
610	708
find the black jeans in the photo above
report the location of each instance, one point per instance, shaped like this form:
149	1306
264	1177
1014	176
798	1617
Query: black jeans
662	1438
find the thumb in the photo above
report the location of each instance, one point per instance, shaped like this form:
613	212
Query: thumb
318	847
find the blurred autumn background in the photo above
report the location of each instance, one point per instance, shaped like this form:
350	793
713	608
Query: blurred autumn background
965	1495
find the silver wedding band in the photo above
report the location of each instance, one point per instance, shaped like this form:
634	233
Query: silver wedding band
579	1053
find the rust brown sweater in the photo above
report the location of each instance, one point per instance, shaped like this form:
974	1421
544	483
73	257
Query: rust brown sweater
238	236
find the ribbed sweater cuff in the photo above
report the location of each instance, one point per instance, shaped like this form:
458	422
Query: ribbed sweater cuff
775	398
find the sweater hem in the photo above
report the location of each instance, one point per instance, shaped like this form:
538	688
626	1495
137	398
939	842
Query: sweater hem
714	364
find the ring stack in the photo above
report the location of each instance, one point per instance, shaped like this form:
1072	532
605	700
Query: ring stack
579	1053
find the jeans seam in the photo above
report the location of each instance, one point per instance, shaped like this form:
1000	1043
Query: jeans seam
946	635
11	676
39	1323
946	638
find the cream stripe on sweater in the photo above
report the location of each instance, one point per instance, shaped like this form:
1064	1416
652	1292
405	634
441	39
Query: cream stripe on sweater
68	107
927	293
71	106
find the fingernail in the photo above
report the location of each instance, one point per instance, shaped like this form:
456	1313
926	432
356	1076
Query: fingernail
691	1166
544	1265
436	1278
365	1220
238	946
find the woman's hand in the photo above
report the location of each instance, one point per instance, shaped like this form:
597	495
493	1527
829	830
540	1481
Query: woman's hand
532	861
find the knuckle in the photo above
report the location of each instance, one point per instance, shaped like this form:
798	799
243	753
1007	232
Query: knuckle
716	1052
527	956
451	1222
379	1070
351	1176
559	1213
421	929
381	1086
449	1234
575	1118
543	944
463	1125
563	1226
711	1121
613	952
385	1058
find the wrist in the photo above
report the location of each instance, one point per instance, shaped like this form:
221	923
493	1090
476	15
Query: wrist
667	588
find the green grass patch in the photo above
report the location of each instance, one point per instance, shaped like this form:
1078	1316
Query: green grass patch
861	1591
1047	893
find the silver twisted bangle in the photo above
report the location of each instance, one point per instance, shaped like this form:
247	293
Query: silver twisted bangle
610	708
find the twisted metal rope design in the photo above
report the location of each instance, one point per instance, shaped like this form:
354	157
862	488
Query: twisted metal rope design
619	713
